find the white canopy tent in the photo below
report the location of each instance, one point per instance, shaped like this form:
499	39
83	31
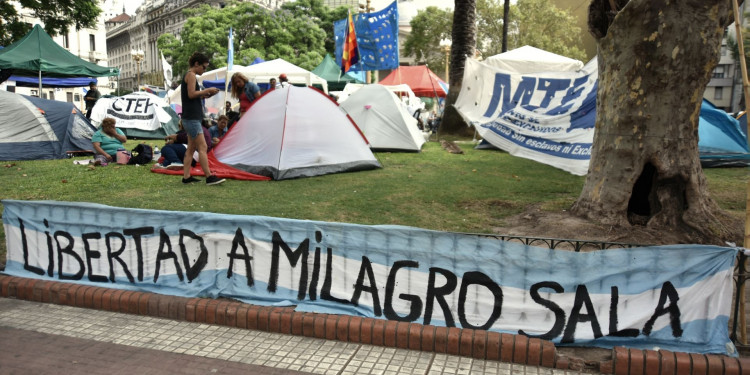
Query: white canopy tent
261	72
528	59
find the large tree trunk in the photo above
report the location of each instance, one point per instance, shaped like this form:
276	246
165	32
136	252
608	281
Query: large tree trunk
464	37
655	58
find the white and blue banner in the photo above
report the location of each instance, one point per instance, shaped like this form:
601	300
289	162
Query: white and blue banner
548	117
672	297
137	110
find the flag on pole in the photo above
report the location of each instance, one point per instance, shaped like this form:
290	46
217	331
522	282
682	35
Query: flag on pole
350	55
167	72
230	51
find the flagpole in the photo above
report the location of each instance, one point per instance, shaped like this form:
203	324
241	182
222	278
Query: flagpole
230	65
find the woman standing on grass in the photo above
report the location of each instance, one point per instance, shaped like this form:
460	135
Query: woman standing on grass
192	116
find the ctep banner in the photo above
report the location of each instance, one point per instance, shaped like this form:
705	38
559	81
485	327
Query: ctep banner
548	117
672	297
138	110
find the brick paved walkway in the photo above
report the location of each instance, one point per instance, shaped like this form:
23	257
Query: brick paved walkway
30	352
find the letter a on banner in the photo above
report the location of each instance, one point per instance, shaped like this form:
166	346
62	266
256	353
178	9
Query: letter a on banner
350	54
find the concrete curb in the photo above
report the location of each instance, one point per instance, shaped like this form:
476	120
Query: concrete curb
464	342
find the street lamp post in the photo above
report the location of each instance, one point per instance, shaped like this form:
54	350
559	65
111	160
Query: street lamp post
138	57
445	45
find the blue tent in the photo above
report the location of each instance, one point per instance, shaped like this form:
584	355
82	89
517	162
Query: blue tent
33	128
722	141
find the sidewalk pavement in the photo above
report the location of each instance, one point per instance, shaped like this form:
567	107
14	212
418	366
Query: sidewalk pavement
42	338
75	328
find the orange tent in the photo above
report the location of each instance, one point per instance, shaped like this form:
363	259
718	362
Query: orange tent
420	78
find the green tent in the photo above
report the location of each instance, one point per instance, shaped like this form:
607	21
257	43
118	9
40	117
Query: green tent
37	55
331	72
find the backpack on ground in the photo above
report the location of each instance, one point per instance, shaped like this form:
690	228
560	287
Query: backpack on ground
141	154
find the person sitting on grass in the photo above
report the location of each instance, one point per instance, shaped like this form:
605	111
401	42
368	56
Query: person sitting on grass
219	130
173	152
106	141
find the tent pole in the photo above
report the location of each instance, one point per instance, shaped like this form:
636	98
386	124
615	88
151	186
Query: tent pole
746	87
40	84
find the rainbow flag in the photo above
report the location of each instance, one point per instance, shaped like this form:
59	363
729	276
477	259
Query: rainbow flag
350	55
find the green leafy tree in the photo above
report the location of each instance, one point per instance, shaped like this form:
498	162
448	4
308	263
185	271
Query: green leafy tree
428	27
321	14
490	27
536	23
57	16
540	24
288	33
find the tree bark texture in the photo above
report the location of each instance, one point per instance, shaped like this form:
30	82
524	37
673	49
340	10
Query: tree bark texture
464	40
655	59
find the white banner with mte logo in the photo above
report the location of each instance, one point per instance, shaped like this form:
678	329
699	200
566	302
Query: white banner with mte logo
672	297
548	117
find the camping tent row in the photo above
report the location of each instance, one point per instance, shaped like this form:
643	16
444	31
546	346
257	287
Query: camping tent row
290	133
300	132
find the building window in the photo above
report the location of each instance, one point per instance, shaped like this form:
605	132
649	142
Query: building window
718	72
724	50
69	97
77	97
718	93
92	42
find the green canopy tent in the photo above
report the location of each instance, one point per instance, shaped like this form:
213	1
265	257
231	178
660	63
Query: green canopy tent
331	72
37	55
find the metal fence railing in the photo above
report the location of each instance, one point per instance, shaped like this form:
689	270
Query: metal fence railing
561	244
738	330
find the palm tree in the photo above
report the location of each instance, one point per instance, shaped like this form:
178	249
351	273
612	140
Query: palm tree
464	39
506	12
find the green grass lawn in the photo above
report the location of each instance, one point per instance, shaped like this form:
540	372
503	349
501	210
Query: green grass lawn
470	192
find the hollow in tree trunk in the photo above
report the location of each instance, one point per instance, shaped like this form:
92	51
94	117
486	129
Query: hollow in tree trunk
655	59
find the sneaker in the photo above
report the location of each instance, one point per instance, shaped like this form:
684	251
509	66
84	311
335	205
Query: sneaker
213	180
190	180
175	166
158	166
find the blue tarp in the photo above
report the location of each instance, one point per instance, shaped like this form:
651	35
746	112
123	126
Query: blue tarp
722	141
52	82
